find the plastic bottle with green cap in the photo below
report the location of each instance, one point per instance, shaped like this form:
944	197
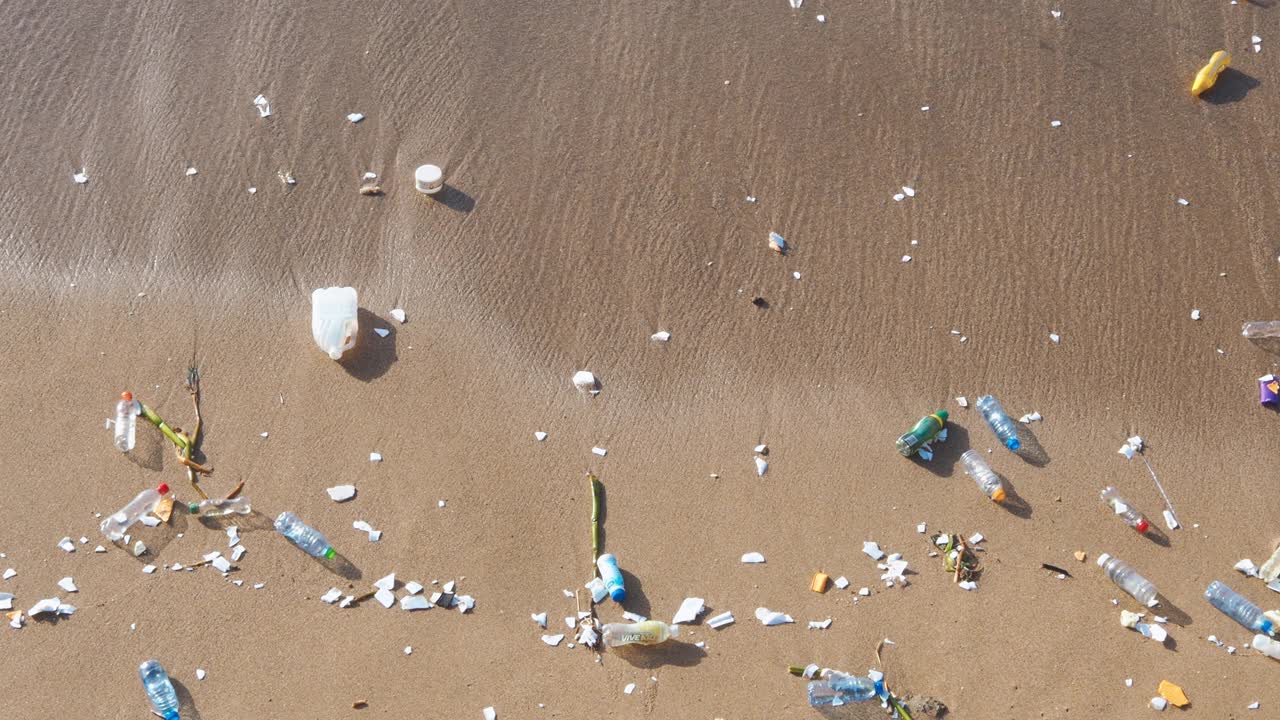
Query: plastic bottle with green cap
924	432
304	536
214	507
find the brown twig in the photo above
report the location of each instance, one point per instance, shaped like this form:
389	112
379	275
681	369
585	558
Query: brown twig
239	486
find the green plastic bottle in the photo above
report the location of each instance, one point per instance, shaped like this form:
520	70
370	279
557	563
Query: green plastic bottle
920	435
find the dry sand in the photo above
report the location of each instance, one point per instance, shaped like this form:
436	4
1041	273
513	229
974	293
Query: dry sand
599	157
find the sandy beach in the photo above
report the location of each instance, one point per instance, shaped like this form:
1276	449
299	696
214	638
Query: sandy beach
614	170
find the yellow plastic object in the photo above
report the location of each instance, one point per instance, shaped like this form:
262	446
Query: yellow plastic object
1173	694
819	582
1208	74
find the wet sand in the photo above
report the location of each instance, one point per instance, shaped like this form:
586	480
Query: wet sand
599	162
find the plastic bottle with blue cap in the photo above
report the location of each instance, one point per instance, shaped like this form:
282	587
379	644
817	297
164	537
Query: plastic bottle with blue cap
612	577
164	699
1000	422
837	688
1238	608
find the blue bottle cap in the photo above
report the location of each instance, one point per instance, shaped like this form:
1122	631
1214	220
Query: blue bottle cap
618	594
1268	627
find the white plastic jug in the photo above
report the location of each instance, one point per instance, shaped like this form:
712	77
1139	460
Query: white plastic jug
333	319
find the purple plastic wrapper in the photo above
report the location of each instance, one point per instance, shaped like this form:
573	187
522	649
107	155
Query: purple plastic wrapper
1269	390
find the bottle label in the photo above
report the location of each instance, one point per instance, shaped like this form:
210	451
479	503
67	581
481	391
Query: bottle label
643	638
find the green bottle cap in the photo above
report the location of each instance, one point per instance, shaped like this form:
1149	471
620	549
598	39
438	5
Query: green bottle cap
193	508
942	414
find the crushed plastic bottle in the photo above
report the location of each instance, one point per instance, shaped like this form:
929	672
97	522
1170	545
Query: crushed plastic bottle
649	632
115	524
304	536
978	469
838	688
999	420
1127	512
1238	608
1259	330
126	422
334	322
612	577
925	430
1266	646
164	699
214	507
1128	579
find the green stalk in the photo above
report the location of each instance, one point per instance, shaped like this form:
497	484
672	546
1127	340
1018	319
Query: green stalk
595	519
151	415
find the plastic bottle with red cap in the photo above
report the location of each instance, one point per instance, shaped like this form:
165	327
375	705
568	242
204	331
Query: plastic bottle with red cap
126	422
1125	511
115	524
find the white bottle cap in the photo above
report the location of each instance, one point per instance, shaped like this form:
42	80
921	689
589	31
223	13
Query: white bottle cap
428	179
1102	559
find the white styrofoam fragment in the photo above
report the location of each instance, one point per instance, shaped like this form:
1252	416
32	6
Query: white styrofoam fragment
201	674
382	332
375	457
820	624
413	587
332	596
387	582
841	582
540	618
414	602
689	610
968	585
221	564
660	336
633	617
341	493
721	620
539	436
762	466
397	313
355	117
68	585
752	558
385	597
630	688
237	553
872	550
599	451
553	640
769	617
148	569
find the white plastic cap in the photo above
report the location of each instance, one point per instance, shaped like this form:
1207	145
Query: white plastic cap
1102	559
675	631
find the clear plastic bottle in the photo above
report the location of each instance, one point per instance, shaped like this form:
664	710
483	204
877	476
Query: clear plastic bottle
1127	512
1128	579
838	689
213	507
612	577
978	469
649	632
304	536
126	424
1254	330
999	420
1238	608
1266	646
115	524
164	699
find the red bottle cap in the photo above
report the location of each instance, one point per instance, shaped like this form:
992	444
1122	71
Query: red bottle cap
163	488
1142	526
126	396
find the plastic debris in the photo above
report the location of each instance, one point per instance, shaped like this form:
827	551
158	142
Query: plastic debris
721	620
414	602
396	313
553	640
375	457
382	332
81	177
1195	314
148	569
68	585
6	601
777	243
1159	703
753	558
962	401
872	550
1055	123
585	381
820	624
413	587
362	526
332	596
1269	390
769	617
539	436
630	688
355	117
1253	705
967	585
689	610
66	545
795	4
660	336
490	714
1173	694
819	582
385	597
341	493
1247	567
599	451
1208	75
1030	418
139	549
10	572
540	618
263	105
201	674
841	582
762	466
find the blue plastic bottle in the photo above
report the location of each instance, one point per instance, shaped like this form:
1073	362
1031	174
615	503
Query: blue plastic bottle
164	699
304	536
612	577
1238	608
840	689
999	420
